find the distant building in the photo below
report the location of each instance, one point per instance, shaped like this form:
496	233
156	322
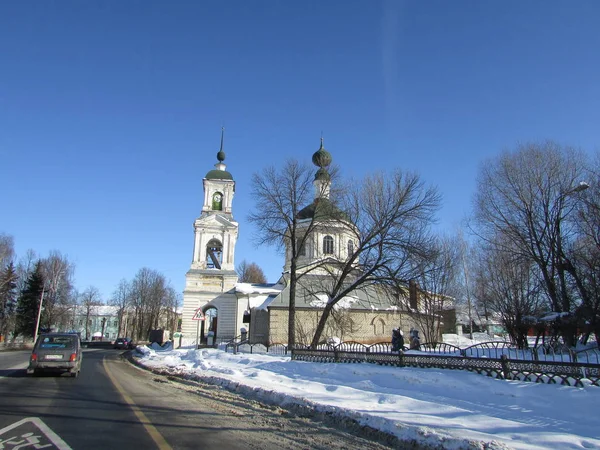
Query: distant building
102	322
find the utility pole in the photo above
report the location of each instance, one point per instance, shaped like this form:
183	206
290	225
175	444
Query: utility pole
39	314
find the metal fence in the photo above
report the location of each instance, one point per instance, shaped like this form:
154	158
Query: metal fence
495	359
243	346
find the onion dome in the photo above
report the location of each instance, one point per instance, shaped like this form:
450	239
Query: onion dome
321	158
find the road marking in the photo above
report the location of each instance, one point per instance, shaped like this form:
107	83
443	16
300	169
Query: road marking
12	370
28	424
151	429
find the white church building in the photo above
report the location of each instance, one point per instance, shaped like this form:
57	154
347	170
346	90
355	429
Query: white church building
217	308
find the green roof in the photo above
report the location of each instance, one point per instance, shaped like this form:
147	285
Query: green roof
324	209
216	174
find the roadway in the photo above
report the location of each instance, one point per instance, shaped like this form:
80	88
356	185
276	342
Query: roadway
115	405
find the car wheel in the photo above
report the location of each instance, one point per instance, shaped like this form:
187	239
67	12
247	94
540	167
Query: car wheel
75	374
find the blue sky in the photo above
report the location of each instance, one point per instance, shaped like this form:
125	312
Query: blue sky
110	111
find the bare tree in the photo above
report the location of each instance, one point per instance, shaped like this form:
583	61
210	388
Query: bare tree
529	197
149	294
250	273
58	299
280	195
122	299
390	218
436	277
25	268
171	302
510	286
7	250
89	302
584	254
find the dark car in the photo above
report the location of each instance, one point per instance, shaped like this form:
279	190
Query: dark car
56	352
124	343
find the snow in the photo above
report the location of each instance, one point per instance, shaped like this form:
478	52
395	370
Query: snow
259	296
434	408
248	288
321	301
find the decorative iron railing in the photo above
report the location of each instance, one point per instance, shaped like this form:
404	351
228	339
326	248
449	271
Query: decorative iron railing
496	360
243	346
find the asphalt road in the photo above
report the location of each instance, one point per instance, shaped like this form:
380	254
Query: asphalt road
114	405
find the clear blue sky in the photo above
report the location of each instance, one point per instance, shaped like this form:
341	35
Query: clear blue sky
110	111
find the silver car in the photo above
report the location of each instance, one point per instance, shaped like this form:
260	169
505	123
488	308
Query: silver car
56	352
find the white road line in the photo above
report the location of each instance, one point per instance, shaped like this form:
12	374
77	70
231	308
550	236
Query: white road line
51	435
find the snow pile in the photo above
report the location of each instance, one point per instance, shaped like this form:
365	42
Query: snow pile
433	408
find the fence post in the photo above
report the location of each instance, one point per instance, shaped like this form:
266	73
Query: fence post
505	367
573	355
336	357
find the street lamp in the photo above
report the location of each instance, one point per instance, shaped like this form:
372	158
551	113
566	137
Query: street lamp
582	186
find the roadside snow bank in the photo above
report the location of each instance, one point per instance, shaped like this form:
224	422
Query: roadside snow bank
427	407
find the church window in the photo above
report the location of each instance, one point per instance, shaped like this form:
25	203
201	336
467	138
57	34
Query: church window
378	326
350	248
214	254
328	245
217	201
300	248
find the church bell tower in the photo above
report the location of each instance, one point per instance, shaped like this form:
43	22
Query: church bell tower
212	272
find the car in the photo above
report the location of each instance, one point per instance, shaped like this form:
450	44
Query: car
124	343
56	352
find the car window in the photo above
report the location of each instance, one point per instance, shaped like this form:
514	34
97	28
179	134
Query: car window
57	342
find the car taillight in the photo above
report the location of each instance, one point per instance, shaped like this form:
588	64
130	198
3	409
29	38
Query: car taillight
34	357
73	357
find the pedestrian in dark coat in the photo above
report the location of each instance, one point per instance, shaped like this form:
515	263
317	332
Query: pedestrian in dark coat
397	340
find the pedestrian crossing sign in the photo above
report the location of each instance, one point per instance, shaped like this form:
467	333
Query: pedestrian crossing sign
198	315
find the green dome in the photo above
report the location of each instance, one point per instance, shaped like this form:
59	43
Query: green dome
322	175
321	158
217	174
321	209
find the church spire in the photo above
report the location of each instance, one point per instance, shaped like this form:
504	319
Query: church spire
221	153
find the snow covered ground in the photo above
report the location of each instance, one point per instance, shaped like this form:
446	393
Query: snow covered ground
438	408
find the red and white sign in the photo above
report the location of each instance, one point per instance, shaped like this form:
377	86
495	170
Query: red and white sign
198	315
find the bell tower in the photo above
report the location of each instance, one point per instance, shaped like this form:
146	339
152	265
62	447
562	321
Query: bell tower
212	275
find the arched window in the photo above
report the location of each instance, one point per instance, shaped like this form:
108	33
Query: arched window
350	248
328	245
214	254
217	201
300	248
378	326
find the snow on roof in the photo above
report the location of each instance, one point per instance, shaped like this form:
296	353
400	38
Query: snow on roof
98	310
250	288
260	296
266	301
344	303
554	316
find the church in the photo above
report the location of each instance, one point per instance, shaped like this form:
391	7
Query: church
216	308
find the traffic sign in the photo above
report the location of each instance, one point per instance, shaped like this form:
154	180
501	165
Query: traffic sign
198	315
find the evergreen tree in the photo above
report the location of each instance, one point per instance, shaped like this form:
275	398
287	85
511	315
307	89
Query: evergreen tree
29	302
8	297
